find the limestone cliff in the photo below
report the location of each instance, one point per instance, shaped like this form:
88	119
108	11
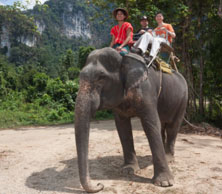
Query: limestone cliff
63	22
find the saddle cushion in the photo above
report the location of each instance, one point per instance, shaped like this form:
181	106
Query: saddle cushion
165	67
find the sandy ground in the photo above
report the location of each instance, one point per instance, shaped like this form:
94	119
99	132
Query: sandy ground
43	160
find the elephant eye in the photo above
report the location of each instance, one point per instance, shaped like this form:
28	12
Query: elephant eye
102	76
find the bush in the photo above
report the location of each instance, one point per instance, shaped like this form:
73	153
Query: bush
40	81
55	89
83	54
105	114
53	115
73	73
44	100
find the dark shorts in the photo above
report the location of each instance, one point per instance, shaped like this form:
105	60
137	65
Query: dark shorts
125	50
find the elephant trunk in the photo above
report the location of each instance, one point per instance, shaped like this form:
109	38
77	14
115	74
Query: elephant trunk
82	125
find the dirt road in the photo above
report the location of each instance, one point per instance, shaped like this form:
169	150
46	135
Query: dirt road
43	160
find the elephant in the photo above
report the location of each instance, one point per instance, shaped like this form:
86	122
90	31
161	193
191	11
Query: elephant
125	86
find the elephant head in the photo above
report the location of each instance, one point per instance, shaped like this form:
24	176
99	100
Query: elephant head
101	87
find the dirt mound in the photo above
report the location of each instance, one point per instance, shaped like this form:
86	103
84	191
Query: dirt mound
201	129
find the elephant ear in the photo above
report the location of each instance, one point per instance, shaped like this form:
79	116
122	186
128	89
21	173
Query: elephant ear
108	57
133	70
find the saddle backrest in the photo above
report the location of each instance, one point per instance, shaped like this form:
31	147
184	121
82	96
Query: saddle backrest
165	52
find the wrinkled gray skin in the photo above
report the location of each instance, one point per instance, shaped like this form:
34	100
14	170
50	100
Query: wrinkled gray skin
109	81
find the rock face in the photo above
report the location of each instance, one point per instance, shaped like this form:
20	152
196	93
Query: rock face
76	25
40	26
28	40
68	19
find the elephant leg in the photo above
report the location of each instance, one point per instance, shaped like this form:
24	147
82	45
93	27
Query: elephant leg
124	129
172	130
163	133
152	127
169	154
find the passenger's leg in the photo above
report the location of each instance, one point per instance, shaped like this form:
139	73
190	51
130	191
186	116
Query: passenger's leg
156	45
143	42
124	50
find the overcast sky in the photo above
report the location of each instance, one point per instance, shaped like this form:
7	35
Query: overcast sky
29	5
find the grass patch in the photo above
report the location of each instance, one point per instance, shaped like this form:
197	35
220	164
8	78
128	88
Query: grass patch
10	119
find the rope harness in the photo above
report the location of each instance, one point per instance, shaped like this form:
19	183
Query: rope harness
161	79
145	77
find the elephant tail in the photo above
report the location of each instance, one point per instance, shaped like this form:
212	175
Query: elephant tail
190	124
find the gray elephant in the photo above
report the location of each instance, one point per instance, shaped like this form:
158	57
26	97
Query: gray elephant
124	85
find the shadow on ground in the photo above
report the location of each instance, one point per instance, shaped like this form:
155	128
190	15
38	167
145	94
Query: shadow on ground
67	178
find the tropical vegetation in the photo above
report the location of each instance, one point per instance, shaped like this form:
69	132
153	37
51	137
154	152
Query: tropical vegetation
39	84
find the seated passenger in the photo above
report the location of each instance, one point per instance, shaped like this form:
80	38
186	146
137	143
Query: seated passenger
144	28
122	34
162	33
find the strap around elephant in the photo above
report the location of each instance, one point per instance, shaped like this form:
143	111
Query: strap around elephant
161	79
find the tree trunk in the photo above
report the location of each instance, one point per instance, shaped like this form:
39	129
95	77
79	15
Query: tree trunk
201	74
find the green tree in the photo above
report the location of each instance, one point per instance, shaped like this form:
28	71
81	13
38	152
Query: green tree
197	44
73	73
68	60
83	54
40	81
9	77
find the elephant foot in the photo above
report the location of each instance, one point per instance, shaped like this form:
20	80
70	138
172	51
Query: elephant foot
130	169
164	179
170	158
91	189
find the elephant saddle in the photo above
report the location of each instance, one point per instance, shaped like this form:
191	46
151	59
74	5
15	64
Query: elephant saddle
163	66
159	63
